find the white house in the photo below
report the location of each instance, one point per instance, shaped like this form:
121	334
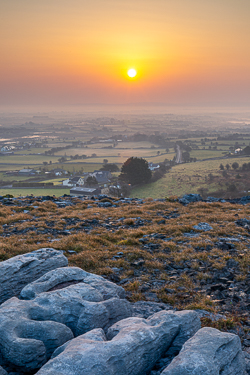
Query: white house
73	181
59	172
237	151
153	166
7	148
67	182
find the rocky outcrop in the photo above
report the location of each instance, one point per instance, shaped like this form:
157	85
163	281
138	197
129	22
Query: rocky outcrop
209	352
189	198
31	330
69	321
134	346
62	277
19	271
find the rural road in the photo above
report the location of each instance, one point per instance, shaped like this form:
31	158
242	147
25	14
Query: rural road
178	155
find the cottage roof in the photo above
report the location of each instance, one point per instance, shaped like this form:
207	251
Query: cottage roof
74	179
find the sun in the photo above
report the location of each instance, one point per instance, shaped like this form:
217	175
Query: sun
131	73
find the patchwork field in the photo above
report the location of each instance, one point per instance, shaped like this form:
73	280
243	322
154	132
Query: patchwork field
18	192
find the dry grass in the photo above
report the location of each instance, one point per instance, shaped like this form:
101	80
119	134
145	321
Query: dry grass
97	248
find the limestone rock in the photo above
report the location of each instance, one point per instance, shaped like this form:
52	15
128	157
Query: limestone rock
31	330
135	346
209	352
2	371
144	309
60	277
204	227
188	321
19	271
188	198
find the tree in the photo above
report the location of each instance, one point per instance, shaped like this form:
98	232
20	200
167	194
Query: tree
91	181
62	159
186	156
110	167
227	166
222	167
105	161
135	171
232	188
235	165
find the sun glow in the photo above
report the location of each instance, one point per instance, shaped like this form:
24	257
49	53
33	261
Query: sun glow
131	73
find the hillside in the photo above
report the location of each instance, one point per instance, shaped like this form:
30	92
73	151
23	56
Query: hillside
192	255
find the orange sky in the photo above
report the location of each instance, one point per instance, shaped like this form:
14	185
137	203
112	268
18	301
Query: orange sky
61	52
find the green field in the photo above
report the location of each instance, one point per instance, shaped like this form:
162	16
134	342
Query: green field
185	178
33	150
118	154
73	167
27	159
36	192
56	181
206	154
4	177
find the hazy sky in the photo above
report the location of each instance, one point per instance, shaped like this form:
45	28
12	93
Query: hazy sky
62	52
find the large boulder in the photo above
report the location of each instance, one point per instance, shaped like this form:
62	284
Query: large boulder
209	352
188	198
190	324
31	330
62	277
134	346
19	271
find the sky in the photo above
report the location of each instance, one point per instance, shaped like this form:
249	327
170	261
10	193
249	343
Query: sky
77	52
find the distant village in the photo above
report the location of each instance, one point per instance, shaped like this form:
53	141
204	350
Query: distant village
66	157
80	184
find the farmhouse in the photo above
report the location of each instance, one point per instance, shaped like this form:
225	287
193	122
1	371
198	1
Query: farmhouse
74	181
82	191
59	172
153	166
27	172
238	150
102	177
7	148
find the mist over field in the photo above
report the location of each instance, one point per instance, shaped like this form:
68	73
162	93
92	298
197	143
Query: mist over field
186	148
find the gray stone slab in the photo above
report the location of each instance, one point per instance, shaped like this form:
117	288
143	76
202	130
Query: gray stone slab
209	352
60	277
131	347
19	271
30	330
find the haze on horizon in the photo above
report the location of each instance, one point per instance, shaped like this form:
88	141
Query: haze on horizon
185	52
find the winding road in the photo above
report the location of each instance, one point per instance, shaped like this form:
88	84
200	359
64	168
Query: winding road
178	159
